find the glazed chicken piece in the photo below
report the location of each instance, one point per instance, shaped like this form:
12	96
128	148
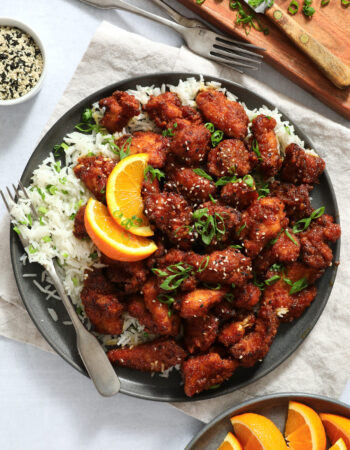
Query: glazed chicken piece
200	333
300	167
155	356
260	223
255	344
239	194
120	108
150	185
289	306
231	157
295	198
314	250
154	144
225	114
94	172
167	323
190	143
137	308
263	131
224	310
195	188
233	332
79	229
101	303
246	297
165	109
198	302
202	372
128	276
227	219
172	215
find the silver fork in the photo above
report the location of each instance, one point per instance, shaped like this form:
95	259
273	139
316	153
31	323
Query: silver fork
200	40
91	352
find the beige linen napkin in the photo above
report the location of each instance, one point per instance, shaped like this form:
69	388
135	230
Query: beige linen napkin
321	364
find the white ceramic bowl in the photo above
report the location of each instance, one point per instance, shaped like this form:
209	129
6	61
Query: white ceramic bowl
16	23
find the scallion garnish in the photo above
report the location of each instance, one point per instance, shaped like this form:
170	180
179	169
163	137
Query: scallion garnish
272	280
255	148
47	239
249	180
303	224
308	10
204	264
178	273
216	137
154	173
290	237
203	173
86	115
210	126
293	8
170	131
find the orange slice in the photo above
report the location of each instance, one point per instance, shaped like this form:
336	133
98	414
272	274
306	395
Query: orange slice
230	443
304	429
123	194
339	445
256	432
336	427
111	239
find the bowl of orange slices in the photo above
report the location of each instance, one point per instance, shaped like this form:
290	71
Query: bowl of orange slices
279	422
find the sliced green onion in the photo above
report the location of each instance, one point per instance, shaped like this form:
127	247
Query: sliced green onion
272	280
293	7
203	173
209	126
205	265
290	237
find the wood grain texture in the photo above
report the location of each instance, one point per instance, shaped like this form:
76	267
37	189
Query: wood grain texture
330	25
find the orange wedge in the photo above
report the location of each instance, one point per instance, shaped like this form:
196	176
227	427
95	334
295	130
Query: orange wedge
111	239
336	427
339	445
123	194
256	432
230	443
304	429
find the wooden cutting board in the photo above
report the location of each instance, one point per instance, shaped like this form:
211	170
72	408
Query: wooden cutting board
330	25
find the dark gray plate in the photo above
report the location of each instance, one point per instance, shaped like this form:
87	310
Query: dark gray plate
62	338
275	407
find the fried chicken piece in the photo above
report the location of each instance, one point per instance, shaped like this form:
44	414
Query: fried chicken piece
227	219
129	276
239	194
224	266
167	324
230	157
224	310
254	345
120	108
300	167
172	215
155	356
195	188
264	134
247	296
260	223
225	114
150	186
94	172
79	229
137	308
101	303
290	306
295	198
202	372
198	302
154	144
314	250
165	109
190	143
233	332
287	247
200	333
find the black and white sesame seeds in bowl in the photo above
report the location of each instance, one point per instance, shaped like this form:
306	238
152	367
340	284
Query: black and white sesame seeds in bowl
22	62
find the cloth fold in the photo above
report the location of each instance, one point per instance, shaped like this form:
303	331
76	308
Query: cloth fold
320	365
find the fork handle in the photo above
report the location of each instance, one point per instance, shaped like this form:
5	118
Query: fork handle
332	67
90	350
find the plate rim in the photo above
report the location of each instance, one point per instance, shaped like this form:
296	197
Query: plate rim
179	75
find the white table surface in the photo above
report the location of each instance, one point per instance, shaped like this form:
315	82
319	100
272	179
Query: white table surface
44	403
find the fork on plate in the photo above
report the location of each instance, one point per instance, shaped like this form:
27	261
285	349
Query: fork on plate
199	39
90	350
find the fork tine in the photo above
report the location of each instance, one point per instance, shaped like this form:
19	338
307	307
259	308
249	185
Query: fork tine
235	48
5	201
229	61
229	41
234	56
10	194
24	190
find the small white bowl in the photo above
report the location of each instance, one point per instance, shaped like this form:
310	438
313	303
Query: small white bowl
5	21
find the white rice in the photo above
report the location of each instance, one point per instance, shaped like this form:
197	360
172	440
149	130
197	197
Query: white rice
53	236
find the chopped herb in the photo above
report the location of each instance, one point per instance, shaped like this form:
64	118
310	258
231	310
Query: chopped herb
103	191
345	3
225	180
303	224
247	20
298	286
84	127
128	223
72	216
178	273
86	115
205	265
235	246
47	239
308	10
212	199
200	2
272	280
40	192
41	220
51	189
154	173
170	131
57	166
288	281
170	312
65	255
91	154
93	256
208	226
293	8
214	386
216	137
42	210
63	180
215	287
249	180
274	240
79	310
210	126
58	147
255	147
17	230
241	228
75	281
65	192
290	237
287	129
120	151
166	299
229	297
30	220
276	267
203	173
32	249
